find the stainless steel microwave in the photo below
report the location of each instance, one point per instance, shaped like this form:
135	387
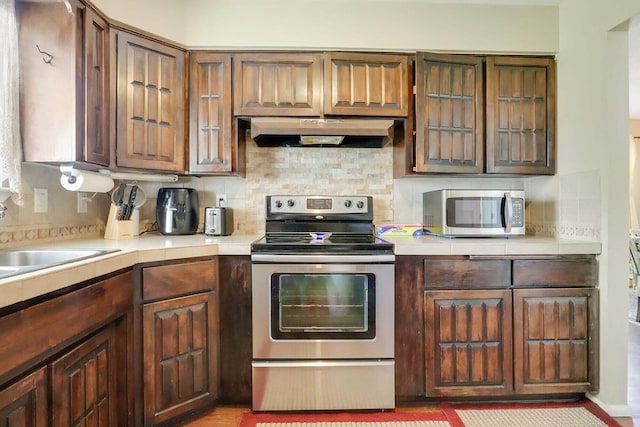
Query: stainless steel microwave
474	213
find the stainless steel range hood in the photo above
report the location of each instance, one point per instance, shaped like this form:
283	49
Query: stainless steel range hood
279	131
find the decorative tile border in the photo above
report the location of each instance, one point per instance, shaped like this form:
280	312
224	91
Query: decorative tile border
25	235
575	232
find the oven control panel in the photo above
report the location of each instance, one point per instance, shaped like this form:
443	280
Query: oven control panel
318	205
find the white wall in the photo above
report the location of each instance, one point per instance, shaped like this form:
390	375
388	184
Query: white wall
593	135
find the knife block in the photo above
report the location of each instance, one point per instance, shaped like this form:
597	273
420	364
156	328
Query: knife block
118	230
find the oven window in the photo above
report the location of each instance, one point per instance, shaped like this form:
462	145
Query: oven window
327	306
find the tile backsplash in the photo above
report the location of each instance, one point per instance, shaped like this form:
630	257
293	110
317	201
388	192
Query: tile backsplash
563	206
566	206
21	226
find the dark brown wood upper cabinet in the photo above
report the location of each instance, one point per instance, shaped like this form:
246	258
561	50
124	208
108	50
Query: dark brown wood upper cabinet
521	115
277	84
65	101
211	146
366	84
150	114
474	115
449	114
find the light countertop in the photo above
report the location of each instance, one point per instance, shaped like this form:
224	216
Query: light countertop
522	245
156	247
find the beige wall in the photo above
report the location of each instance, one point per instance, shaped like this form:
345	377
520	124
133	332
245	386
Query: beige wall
339	24
165	18
366	24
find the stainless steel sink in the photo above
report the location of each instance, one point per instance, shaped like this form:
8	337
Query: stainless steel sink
18	261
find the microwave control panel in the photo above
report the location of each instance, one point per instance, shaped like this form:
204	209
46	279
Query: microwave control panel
518	212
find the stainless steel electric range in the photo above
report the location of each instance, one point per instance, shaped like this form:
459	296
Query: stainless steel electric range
323	307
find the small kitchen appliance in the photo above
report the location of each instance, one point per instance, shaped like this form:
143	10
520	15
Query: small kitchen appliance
177	210
474	213
218	221
322	307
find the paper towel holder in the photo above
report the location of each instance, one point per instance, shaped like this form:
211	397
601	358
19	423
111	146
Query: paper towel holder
67	170
70	174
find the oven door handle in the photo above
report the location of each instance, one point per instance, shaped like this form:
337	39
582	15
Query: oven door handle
320	363
323	259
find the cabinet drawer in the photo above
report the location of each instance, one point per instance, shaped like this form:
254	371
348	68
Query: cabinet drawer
459	273
167	281
560	272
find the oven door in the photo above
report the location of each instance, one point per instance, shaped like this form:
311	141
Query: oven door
323	310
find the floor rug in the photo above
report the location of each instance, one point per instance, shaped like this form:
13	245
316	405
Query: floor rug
584	413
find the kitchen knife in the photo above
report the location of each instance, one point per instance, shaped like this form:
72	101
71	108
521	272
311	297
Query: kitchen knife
118	198
129	206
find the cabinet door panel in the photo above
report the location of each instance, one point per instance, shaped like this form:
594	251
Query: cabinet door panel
449	114
84	383
210	140
468	343
96	63
24	404
366	84
520	115
150	110
554	340
180	363
277	84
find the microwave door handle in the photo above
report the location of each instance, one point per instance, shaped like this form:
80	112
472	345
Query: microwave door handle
508	212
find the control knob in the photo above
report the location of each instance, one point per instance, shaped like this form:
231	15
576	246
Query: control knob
290	203
347	203
360	204
278	204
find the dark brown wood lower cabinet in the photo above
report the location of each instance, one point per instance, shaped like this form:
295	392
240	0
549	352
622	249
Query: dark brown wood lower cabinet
68	362
555	340
180	356
24	404
498	326
235	329
468	343
84	383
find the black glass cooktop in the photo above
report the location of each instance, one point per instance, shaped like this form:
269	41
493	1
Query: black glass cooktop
306	243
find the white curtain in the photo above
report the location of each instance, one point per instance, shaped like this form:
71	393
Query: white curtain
10	148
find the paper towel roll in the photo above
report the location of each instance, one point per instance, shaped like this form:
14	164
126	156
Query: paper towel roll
89	182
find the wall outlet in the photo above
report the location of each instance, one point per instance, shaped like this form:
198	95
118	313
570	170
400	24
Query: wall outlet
82	202
40	200
222	199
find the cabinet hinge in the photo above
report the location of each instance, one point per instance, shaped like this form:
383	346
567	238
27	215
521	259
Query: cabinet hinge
415	89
